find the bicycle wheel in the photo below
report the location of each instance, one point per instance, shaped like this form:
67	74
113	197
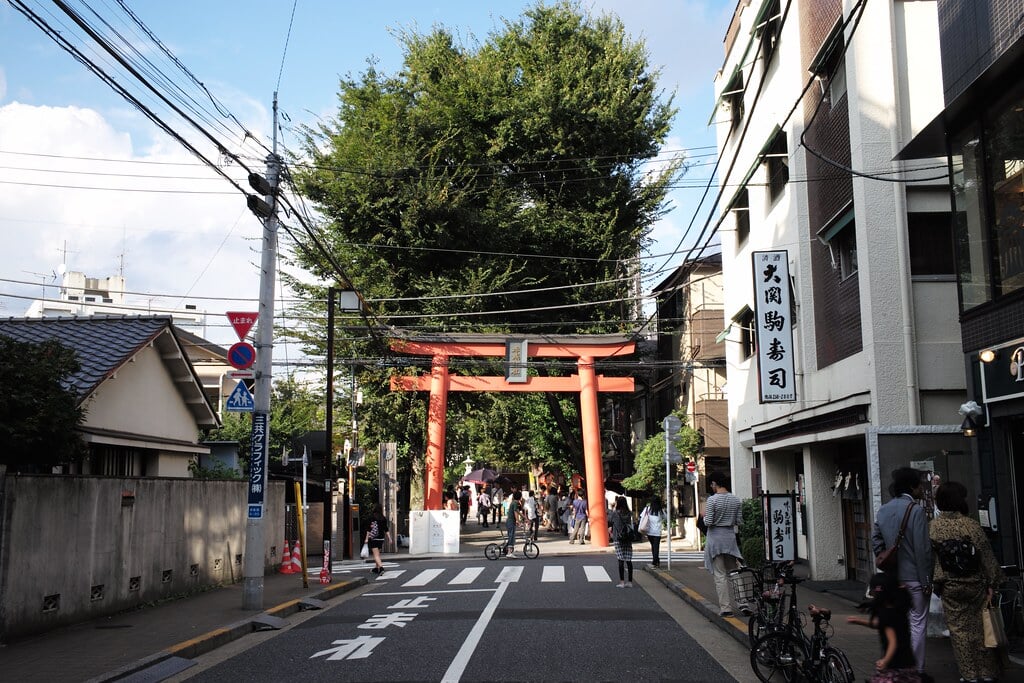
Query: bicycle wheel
492	551
531	549
778	657
835	667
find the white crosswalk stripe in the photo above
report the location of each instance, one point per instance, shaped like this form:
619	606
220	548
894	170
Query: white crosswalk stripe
466	576
555	574
596	574
424	577
510	574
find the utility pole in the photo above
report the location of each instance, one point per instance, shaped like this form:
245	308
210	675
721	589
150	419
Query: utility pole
329	445
266	208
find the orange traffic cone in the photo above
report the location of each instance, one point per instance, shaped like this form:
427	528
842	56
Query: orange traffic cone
286	560
296	559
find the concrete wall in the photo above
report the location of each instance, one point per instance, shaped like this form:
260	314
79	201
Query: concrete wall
74	548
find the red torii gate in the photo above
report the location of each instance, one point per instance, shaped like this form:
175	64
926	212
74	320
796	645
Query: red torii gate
584	348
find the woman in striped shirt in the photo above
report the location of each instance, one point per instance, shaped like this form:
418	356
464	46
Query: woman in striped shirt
721	554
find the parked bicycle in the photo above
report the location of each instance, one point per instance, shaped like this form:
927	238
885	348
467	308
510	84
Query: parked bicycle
764	591
495	550
782	655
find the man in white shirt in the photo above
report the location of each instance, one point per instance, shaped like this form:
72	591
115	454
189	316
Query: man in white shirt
532	518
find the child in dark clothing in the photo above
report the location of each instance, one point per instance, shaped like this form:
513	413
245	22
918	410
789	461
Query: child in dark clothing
889	613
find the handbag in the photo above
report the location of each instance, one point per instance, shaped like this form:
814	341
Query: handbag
888	560
992	624
365	551
645	521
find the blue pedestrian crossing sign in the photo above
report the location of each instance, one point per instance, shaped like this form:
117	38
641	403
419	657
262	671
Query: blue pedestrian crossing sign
240	400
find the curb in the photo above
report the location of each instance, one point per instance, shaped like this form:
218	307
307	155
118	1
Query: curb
207	642
732	626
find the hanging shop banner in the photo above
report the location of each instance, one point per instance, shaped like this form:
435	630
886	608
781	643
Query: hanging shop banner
780	526
773	328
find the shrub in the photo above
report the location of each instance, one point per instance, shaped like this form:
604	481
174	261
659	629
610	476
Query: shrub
752	533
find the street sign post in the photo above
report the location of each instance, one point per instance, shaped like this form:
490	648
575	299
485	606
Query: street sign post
672	425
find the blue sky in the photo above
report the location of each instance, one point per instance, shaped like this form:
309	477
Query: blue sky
178	247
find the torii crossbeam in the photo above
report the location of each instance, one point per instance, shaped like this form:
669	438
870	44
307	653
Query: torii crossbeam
583	348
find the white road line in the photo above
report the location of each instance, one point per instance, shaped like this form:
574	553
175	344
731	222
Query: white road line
391	574
467	575
510	574
462	657
596	573
554	573
424	577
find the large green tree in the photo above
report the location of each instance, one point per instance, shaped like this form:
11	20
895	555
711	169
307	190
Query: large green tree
39	414
503	187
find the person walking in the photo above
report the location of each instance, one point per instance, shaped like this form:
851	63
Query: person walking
890	604
620	522
964	581
483	508
532	514
914	559
463	505
651	523
580	513
554	518
497	504
376	534
721	554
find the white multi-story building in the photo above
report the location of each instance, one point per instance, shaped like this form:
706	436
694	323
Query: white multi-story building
849	364
86	296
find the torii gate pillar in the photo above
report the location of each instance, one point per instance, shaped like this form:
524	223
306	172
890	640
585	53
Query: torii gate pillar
583	348
436	425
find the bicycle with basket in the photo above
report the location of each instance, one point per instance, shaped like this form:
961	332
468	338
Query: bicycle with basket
780	650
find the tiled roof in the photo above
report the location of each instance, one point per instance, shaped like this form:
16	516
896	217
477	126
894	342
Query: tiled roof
101	343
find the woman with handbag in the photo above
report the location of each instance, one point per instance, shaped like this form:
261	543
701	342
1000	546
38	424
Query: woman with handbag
651	523
966	575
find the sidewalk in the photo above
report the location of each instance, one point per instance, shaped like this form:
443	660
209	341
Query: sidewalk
154	642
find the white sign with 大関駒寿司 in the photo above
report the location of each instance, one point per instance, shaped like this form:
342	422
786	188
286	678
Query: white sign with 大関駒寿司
773	327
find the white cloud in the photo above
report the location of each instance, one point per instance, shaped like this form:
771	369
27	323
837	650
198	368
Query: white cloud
202	241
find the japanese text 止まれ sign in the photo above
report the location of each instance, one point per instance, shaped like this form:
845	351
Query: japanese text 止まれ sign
773	328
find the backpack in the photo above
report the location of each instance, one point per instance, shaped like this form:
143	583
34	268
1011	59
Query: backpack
957	556
629	535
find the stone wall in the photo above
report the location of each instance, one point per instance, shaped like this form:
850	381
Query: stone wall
74	548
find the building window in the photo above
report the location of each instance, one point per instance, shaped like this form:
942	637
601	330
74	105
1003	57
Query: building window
745	320
829	65
741	214
931	245
970	221
846	251
733	98
1004	161
840	236
768	28
776	161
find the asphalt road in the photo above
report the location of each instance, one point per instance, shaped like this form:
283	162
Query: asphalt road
554	619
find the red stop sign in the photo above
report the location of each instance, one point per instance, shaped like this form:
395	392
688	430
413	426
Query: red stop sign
691	466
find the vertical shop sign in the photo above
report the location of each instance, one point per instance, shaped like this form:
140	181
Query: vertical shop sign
773	327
